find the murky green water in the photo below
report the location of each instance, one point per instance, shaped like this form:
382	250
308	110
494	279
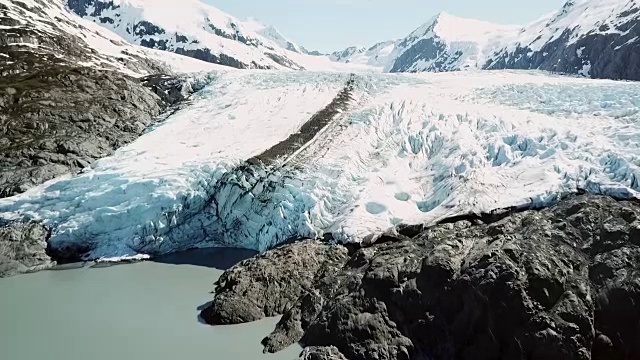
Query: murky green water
140	311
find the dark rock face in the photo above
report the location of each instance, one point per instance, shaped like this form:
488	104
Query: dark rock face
22	248
559	283
168	88
51	123
80	6
283	61
145	28
56	116
222	59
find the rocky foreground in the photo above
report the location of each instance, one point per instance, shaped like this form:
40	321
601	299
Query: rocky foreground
559	283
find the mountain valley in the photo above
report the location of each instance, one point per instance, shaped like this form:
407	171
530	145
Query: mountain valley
469	191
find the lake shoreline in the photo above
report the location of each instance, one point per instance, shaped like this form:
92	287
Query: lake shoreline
148	310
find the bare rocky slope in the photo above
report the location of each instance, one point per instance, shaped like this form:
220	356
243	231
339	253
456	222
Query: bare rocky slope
559	283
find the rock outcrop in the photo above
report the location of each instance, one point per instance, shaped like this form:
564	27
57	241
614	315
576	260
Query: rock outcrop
243	299
558	283
23	248
321	353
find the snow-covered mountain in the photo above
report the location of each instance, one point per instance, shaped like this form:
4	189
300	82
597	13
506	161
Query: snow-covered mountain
447	43
346	54
444	43
271	33
43	33
191	28
596	38
378	55
593	38
120	35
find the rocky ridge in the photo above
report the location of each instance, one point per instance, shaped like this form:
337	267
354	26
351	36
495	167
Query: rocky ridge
557	283
51	123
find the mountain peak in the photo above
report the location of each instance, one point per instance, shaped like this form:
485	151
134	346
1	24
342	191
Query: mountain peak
256	25
455	28
444	16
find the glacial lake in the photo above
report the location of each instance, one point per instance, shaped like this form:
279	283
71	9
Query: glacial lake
139	311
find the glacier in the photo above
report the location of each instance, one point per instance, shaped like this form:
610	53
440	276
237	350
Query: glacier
403	149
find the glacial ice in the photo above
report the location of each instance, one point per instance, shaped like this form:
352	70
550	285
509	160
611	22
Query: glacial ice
410	148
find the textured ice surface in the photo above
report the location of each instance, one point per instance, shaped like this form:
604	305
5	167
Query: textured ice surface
409	149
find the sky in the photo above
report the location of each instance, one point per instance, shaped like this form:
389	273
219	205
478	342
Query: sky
330	25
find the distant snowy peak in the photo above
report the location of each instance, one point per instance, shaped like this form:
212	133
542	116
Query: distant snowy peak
448	43
378	55
271	33
594	38
191	28
346	54
444	43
